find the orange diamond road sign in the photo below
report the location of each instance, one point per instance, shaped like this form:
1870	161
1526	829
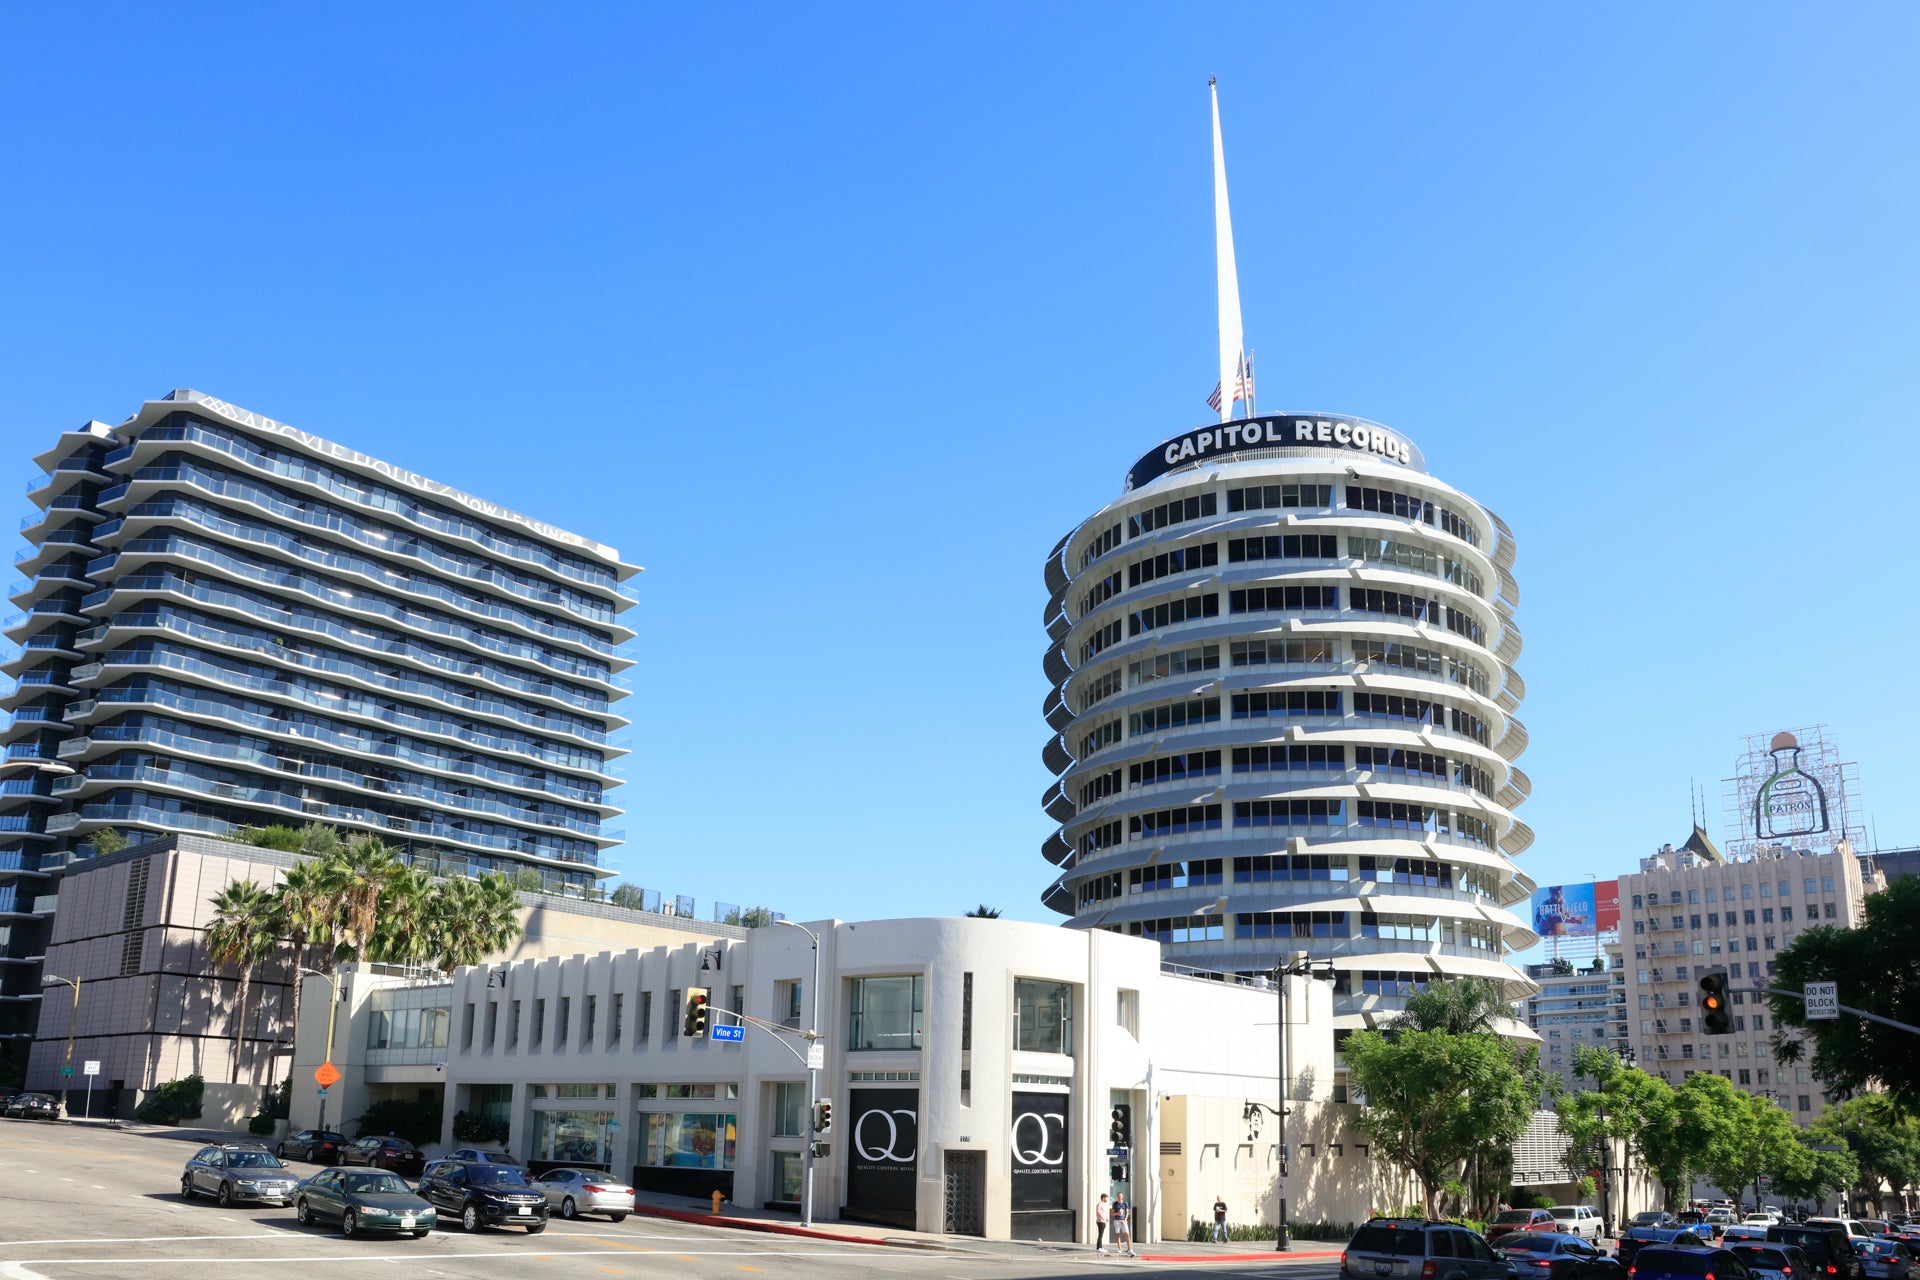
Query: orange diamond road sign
326	1075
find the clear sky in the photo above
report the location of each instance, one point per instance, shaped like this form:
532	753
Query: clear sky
837	317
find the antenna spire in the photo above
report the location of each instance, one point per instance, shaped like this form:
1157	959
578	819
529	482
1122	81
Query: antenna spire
1236	380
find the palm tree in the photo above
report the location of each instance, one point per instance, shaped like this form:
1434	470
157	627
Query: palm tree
306	917
357	881
403	934
469	920
243	932
1470	1004
983	912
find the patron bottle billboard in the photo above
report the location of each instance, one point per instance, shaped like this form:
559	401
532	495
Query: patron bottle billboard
1790	802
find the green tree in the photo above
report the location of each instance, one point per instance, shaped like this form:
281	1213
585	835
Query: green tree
1591	1119
1434	1099
1462	1007
1873	966
278	836
105	841
1802	1173
304	908
983	912
630	896
403	934
1884	1143
528	880
1750	1134
319	840
469	920
244	929
357	881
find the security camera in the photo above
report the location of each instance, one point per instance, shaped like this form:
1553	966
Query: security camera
439	1066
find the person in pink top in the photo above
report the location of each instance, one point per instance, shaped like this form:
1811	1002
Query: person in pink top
1100	1216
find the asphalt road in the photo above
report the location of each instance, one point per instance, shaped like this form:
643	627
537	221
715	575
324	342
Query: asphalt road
93	1204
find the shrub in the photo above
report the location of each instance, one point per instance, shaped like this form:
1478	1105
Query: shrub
415	1120
172	1102
261	1125
471	1126
1200	1232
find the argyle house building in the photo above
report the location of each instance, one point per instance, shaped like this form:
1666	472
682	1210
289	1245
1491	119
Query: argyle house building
1282	709
226	622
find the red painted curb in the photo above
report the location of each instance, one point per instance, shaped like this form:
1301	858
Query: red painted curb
752	1224
1271	1255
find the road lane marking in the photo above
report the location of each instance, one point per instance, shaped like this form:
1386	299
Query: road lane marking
149	1261
262	1235
741	1266
14	1271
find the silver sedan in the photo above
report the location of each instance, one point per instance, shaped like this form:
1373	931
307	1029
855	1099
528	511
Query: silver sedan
572	1192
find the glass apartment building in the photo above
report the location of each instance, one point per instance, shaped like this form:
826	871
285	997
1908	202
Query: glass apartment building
1282	713
227	622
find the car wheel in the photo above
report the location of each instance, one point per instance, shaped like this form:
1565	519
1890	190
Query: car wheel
616	1217
419	1235
186	1186
536	1228
349	1224
301	1213
226	1196
568	1209
470	1218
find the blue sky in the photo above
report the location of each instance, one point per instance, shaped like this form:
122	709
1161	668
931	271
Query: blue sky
836	318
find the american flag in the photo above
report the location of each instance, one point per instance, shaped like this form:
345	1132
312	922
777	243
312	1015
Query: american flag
1242	385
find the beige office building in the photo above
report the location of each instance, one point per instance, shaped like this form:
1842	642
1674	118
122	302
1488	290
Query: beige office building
1690	910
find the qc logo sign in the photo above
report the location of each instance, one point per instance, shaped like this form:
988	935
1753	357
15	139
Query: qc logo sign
895	1124
1038	1141
1039	1138
883	1154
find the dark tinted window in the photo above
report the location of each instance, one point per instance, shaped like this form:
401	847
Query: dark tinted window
493	1175
1673	1262
1405	1242
1440	1245
1529	1244
1756	1256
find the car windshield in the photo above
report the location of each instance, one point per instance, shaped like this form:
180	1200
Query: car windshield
1566	1213
397	1144
1530	1244
1516	1215
252	1160
486	1175
1876	1246
374	1184
1404	1242
1673	1262
1755	1256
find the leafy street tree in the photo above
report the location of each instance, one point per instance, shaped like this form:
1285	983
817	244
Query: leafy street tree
1751	1135
1802	1173
1884	1144
1874	968
631	896
1459	1008
243	932
358	880
1435	1099
306	918
401	935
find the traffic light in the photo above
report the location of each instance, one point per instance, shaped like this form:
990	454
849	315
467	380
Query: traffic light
696	1023
1117	1173
1715	1020
823	1115
1121	1132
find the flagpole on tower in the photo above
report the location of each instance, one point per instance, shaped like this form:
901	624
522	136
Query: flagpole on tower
1235	378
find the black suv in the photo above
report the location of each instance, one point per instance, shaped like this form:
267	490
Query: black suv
1414	1249
1634	1239
1827	1248
483	1195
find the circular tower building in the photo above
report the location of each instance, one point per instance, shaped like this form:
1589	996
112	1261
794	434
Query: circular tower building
1283	712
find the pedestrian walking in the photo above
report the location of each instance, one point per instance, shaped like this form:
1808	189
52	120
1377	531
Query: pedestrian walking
1123	1226
1219	1220
1100	1216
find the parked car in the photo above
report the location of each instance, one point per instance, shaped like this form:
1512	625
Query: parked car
236	1171
1887	1259
1412	1249
1634	1239
484	1195
1828	1247
1671	1262
1578	1220
1702	1222
1537	1255
1773	1261
476	1155
577	1191
362	1202
33	1106
321	1146
396	1154
1512	1220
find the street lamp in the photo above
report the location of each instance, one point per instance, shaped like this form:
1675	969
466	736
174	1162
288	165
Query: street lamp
1297	964
813	1077
73	1019
333	1014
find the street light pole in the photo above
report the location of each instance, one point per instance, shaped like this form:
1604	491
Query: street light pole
333	1014
1298	964
73	1019
813	1078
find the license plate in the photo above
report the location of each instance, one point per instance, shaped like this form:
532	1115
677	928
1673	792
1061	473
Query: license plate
1382	1268
524	1212
406	1222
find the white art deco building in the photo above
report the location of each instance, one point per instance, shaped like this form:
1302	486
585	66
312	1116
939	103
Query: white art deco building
1283	705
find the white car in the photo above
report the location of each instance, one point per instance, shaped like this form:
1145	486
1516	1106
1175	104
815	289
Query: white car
572	1192
1581	1220
1760	1220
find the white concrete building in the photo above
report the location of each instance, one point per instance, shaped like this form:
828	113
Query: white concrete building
973	1067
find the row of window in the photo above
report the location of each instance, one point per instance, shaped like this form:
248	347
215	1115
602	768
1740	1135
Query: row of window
1257	704
1414	559
1103	590
1272	497
1201	555
1288	546
1269	868
1177	821
1103	686
1260	925
1178	511
1767	890
1105	541
1291	599
1169	612
1175	662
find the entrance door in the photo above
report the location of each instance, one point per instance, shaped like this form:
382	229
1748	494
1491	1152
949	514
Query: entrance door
966	1193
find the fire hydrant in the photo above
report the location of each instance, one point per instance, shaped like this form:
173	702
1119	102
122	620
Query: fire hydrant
717	1197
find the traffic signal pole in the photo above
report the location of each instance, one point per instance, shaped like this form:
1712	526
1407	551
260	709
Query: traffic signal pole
1847	1008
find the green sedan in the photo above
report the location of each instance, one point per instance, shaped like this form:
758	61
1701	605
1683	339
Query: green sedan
362	1202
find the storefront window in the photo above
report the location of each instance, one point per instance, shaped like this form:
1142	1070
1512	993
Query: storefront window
571	1137
887	1012
686	1140
1045	1016
789	1109
787	1169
